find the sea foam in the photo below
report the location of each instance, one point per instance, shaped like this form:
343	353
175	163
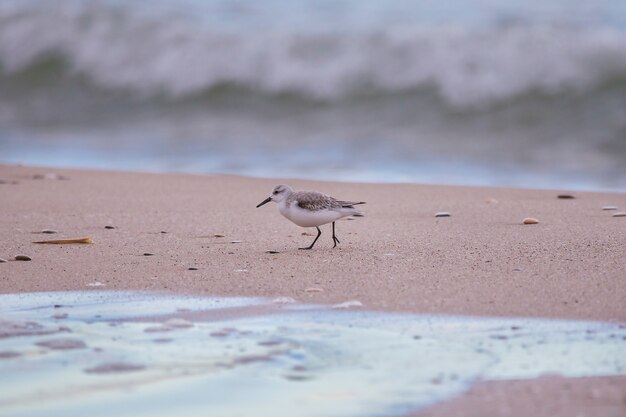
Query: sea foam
249	357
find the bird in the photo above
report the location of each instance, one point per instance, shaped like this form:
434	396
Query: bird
311	209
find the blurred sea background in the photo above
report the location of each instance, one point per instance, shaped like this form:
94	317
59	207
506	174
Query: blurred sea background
528	93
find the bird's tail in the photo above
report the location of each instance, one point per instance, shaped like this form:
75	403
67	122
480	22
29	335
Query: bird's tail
349	210
350	204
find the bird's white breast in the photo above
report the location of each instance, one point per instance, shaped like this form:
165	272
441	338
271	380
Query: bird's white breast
308	218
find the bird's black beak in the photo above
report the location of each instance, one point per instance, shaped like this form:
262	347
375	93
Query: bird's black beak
267	200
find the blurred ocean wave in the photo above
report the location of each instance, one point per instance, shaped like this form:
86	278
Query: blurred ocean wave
499	89
154	56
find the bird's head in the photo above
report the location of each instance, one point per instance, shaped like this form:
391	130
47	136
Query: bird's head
279	193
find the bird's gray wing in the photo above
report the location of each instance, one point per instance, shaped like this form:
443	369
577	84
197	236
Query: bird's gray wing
315	201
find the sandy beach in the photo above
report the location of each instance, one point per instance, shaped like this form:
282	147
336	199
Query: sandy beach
479	261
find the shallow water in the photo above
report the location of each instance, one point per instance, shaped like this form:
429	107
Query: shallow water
105	353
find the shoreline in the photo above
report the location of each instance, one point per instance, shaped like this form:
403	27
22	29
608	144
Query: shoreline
199	173
480	261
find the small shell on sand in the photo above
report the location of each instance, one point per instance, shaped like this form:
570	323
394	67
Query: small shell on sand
192	268
271	251
609	208
218	235
23	258
3	260
235	241
109	227
95	284
619	214
442	214
348	304
565	196
314	289
148	254
530	220
283	300
80	240
307	234
48	231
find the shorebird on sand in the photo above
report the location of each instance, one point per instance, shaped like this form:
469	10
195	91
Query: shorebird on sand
311	209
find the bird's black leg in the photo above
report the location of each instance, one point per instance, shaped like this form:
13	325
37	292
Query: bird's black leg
335	239
319	233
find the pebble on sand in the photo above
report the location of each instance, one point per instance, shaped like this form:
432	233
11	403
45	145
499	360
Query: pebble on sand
148	254
218	235
530	220
620	214
609	208
48	231
23	258
192	268
3	260
442	214
565	196
272	251
236	241
109	227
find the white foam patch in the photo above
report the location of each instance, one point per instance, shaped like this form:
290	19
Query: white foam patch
267	359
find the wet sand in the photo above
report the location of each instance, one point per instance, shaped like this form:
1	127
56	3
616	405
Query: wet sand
480	261
549	396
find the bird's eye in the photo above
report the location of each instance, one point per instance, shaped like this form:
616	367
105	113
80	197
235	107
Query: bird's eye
276	192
